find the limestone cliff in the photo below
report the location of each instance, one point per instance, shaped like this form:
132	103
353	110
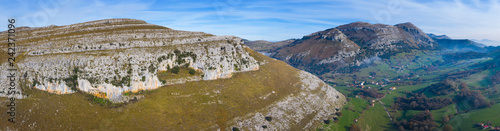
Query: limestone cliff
120	55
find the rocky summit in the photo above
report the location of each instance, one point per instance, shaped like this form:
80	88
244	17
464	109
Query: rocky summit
386	37
126	74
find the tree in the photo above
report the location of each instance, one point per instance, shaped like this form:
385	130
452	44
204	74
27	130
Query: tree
176	69
192	71
373	73
401	128
177	52
446	119
338	113
354	127
448	127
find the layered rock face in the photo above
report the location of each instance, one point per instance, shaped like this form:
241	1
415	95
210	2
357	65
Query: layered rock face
109	57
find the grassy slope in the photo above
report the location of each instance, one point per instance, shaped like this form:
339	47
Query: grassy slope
176	107
466	121
350	112
375	119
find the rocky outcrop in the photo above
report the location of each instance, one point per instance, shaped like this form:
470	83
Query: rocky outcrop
315	102
386	37
121	55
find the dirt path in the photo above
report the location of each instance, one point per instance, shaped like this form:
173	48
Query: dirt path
386	111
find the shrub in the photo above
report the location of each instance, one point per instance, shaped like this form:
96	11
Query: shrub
143	78
326	121
35	82
268	118
176	69
192	71
338	114
448	127
101	101
177	51
151	68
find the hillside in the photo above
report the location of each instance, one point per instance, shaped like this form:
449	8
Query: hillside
344	48
126	74
311	53
399	78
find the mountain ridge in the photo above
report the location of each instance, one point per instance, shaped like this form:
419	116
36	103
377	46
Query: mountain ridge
361	41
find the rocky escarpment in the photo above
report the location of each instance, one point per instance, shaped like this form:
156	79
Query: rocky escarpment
315	102
109	57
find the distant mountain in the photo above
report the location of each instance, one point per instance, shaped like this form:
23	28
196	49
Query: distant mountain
487	42
433	36
337	49
266	46
460	45
386	37
346	45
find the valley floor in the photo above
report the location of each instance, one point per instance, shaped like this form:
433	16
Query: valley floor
410	73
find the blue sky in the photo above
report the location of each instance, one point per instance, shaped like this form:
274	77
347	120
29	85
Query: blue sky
266	19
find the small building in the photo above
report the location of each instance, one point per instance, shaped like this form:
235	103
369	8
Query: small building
485	127
372	104
392	88
356	120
